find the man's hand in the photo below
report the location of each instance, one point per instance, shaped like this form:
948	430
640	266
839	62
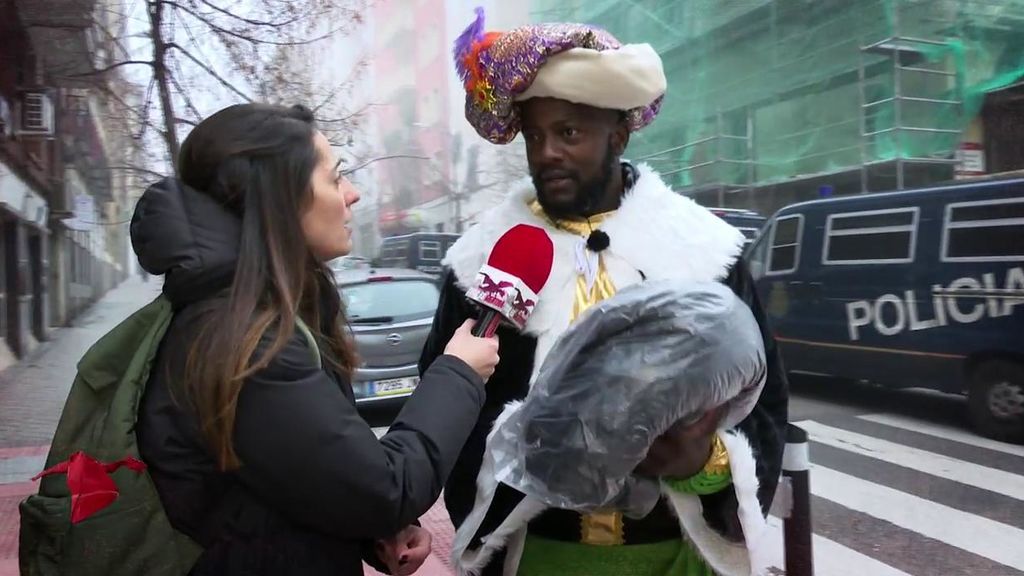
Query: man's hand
682	451
406	551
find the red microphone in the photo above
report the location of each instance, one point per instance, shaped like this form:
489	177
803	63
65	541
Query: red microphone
516	270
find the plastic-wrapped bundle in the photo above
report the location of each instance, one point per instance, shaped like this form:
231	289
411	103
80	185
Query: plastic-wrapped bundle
632	366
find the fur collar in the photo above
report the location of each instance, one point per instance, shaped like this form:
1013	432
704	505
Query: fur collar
655	233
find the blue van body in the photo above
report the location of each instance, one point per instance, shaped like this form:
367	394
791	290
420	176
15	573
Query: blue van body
748	222
921	288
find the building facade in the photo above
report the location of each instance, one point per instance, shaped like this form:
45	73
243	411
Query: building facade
773	102
61	205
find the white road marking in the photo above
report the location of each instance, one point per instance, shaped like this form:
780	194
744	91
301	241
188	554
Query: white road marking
830	557
944	432
997	481
978	535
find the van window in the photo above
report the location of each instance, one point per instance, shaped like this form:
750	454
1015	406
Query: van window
784	255
756	255
394	253
986	230
430	250
876	237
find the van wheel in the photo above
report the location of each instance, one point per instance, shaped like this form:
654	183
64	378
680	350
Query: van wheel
996	400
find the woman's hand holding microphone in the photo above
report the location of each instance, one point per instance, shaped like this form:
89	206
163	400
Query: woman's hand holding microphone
481	354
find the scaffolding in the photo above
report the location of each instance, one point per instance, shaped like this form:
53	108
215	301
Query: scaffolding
718	161
905	55
869	95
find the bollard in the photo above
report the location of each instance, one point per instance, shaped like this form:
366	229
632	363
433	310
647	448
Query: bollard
797	525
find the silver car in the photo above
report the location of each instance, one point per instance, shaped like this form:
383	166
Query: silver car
390	312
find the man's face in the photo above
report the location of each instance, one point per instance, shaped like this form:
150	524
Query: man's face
572	151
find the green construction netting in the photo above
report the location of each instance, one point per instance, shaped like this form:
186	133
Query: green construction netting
763	91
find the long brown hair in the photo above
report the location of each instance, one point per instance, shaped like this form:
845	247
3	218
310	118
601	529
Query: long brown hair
258	160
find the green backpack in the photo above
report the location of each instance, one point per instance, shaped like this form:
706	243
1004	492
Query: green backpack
131	535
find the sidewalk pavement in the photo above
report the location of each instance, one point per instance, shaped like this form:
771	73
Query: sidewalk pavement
32	395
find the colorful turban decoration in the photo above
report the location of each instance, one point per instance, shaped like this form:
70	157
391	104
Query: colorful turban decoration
574	62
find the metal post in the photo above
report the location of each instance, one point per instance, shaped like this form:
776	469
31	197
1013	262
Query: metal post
897	79
797	525
718	160
862	77
751	175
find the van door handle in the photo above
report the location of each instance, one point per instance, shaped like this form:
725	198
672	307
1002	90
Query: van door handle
799	289
816	290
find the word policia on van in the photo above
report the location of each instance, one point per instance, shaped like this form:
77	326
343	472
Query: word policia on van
953	303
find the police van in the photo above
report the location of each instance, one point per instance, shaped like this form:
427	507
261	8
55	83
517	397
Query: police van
422	251
746	221
921	288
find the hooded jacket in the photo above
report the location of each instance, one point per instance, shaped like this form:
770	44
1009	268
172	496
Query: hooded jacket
315	487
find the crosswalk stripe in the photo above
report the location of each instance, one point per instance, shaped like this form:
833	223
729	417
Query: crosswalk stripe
998	481
993	540
830	557
944	432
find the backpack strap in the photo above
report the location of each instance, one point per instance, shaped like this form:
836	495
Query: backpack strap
310	339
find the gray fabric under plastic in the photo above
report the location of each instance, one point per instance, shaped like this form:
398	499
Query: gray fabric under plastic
626	371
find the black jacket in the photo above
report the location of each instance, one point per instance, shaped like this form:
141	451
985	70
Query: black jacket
316	487
764	427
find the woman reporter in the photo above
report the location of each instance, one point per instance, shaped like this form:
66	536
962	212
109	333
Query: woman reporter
248	423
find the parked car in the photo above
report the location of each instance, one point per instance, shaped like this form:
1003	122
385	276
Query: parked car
920	288
349	263
421	251
390	312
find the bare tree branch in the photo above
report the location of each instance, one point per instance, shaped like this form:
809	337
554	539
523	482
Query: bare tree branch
182	93
111	67
347	117
353	75
206	68
251	39
139	169
259	49
366	163
140	116
148	103
281	24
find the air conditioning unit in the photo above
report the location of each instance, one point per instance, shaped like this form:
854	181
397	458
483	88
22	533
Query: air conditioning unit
36	114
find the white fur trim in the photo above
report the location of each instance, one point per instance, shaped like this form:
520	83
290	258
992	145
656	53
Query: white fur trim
654	231
749	558
472	561
630	77
729	558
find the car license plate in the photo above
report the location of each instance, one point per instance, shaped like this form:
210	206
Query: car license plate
395	386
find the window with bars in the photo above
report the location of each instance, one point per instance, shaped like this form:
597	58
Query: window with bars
984	231
430	250
875	237
784	255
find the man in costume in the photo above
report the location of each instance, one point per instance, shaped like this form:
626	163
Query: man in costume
576	94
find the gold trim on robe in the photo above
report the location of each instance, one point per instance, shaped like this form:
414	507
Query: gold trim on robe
598	528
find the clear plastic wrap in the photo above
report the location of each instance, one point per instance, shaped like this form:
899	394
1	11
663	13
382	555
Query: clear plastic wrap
626	371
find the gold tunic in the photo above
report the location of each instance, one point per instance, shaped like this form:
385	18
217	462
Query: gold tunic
599	528
605	528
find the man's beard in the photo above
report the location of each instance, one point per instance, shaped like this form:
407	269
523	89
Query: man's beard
589	193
